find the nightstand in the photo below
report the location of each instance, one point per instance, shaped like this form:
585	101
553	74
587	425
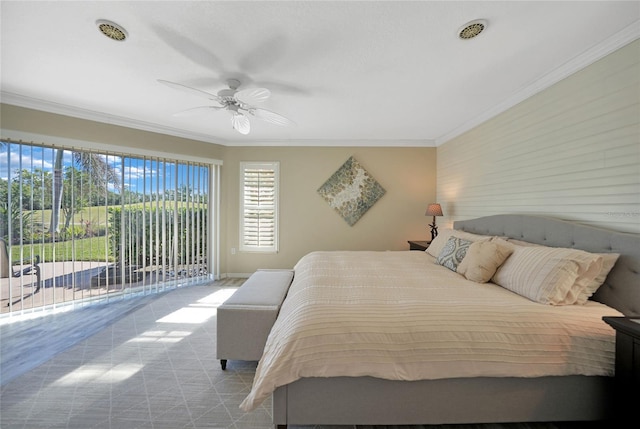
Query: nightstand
418	245
627	363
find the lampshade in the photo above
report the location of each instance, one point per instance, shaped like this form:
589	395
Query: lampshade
434	209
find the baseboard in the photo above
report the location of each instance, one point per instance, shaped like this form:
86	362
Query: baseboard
236	275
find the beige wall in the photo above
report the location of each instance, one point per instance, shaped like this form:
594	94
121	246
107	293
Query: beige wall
572	151
308	223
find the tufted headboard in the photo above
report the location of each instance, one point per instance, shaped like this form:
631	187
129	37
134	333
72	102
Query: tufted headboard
621	289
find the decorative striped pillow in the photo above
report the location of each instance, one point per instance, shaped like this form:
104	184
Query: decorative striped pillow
548	275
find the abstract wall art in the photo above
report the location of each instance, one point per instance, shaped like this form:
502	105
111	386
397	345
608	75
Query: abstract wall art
351	191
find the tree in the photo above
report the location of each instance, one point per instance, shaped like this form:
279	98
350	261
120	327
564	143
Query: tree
99	171
14	222
75	201
36	184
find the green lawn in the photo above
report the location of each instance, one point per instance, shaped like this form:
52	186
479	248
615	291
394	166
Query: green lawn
86	249
97	215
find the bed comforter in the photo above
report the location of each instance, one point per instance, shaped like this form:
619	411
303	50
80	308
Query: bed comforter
398	315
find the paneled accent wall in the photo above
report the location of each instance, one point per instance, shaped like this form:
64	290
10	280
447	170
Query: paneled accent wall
571	151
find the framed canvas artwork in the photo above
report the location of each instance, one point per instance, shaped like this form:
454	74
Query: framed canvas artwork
351	191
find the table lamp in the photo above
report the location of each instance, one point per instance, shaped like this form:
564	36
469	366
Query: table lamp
434	210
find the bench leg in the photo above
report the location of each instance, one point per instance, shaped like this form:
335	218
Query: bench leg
223	364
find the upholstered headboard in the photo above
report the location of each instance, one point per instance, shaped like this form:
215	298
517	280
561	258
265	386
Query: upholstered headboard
621	289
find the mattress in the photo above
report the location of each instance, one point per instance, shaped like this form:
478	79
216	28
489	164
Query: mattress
398	315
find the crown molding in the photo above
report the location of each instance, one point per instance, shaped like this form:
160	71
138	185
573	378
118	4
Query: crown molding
597	52
26	137
74	112
91	115
338	143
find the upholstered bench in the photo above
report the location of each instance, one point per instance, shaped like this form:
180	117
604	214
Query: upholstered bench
245	319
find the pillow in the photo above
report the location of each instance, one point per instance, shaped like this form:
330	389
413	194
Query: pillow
441	239
582	293
483	259
548	275
522	243
608	261
453	252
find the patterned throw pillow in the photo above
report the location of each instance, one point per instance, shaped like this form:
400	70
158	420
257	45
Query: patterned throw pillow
443	236
453	252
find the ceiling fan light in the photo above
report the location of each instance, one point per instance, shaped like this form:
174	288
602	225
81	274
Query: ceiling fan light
241	123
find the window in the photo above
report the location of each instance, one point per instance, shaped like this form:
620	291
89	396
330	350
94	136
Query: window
103	224
259	206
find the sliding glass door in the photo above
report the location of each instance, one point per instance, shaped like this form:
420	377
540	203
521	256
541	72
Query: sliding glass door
82	225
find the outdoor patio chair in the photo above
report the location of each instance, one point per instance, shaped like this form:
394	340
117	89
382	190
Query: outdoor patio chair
27	266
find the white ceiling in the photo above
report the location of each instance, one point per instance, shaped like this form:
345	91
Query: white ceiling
347	73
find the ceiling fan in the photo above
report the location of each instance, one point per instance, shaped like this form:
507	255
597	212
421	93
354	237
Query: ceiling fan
240	103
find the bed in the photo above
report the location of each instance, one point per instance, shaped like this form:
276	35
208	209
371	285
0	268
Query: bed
378	338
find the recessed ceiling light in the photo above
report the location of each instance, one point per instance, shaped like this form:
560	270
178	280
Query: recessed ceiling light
472	29
111	30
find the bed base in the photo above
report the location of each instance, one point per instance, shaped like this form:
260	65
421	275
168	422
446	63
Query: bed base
371	401
366	400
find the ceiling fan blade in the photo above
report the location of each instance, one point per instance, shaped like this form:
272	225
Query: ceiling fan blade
269	116
190	90
196	110
240	123
253	95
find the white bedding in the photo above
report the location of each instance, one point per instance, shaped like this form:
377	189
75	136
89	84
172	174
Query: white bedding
400	316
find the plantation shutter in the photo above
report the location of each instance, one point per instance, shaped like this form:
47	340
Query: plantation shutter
259	206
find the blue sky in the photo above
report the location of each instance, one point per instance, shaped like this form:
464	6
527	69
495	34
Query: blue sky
140	175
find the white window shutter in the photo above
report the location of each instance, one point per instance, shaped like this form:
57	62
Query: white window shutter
259	206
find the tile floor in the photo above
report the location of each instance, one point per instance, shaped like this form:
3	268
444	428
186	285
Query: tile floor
152	367
140	363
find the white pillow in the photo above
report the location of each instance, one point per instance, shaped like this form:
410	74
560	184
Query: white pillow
608	261
522	243
441	239
582	293
548	275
